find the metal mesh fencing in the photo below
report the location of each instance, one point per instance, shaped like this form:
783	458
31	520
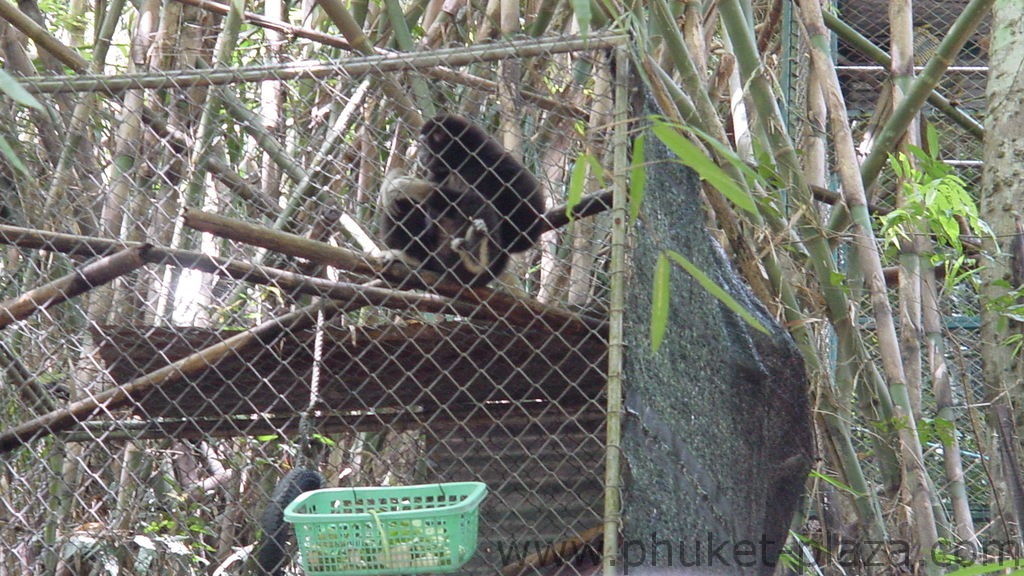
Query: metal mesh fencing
201	298
963	85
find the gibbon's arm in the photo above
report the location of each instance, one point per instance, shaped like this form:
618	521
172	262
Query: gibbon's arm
433	227
400	186
272	555
403	219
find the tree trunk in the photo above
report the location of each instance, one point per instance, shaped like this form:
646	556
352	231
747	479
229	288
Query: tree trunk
1002	193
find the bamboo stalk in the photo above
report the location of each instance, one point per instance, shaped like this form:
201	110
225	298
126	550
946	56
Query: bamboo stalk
905	112
396	62
439	73
41	37
820	256
966	23
180	143
192	365
252	125
403	39
81	116
283	242
867	48
870	261
66	287
946	411
613	480
196	192
349	28
505	305
349	295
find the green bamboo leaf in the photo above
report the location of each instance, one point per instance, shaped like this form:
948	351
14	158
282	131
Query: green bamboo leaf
575	193
989	568
577	180
637	180
659	301
583	16
931	136
12	156
716	290
14	89
692	156
834	482
726	152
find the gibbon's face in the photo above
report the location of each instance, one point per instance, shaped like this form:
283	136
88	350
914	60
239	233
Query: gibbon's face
450	144
427	149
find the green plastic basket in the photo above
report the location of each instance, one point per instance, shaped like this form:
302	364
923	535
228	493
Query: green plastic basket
387	530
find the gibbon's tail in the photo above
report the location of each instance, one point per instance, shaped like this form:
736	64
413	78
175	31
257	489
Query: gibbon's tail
272	556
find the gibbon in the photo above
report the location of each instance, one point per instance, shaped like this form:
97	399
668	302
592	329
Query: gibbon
477	205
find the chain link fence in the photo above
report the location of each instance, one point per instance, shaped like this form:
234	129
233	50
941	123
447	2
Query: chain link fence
160	374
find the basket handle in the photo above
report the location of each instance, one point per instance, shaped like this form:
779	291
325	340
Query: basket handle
383	533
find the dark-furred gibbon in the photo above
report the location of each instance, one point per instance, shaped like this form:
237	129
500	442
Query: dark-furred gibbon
477	205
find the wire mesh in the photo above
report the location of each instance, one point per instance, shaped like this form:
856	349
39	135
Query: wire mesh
149	418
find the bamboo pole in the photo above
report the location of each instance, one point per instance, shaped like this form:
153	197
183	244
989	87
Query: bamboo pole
192	365
349	295
77	282
870	261
507	306
906	111
41	37
867	48
352	67
616	345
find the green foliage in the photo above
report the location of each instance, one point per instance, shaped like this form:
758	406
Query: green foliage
661	291
799	557
12	156
835	483
689	154
987	568
637	180
1016	342
675	139
660	301
933	196
935	200
581	8
1009	308
59	15
14	90
935	429
325	440
578	178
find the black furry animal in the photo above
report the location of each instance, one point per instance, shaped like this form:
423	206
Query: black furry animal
459	154
440	229
272	555
478	205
